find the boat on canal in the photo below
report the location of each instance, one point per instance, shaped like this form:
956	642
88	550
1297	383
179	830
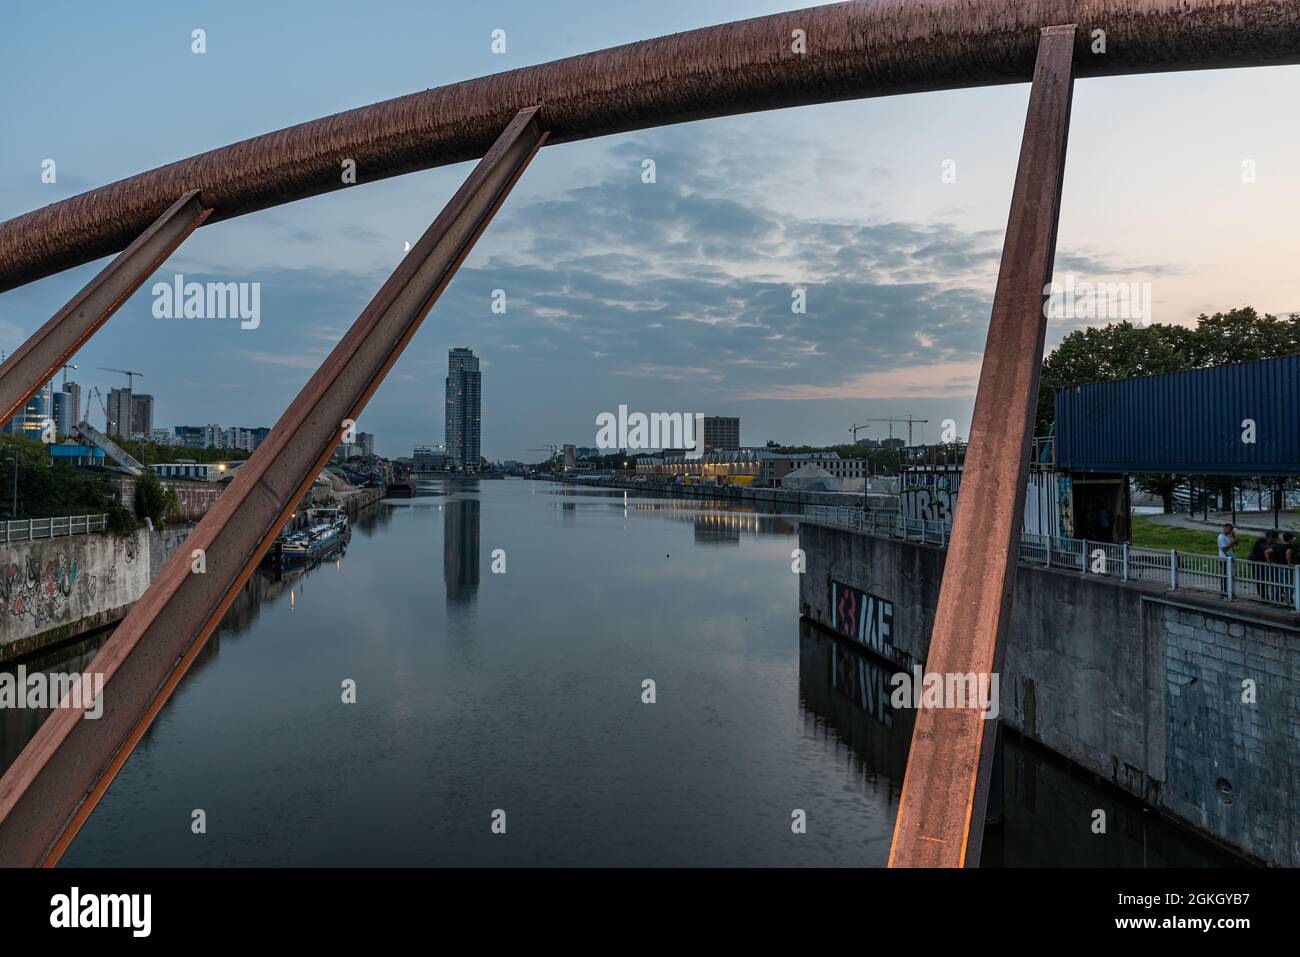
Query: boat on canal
326	530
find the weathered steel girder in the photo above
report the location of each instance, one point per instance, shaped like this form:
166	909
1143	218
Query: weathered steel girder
55	783
941	810
858	49
34	362
850	50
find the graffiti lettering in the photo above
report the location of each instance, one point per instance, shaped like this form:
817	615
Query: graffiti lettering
865	618
931	496
35	592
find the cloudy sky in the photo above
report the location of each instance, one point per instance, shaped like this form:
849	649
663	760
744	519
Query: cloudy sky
671	296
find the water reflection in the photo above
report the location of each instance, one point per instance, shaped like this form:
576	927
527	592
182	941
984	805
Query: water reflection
1047	805
460	549
528	696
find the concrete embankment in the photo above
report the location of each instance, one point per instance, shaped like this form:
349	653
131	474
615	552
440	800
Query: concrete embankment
53	589
1189	703
56	589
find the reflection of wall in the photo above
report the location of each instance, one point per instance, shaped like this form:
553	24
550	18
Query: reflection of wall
850	690
732	522
708	531
1047	803
18	725
1138	686
460	557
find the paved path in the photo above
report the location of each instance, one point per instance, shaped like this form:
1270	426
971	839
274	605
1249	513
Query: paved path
1251	521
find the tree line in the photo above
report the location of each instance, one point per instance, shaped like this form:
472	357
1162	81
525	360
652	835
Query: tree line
1122	350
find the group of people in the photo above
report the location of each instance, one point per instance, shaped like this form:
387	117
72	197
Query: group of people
1275	548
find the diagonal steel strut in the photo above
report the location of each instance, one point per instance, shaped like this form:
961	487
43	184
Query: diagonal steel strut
53	786
37	360
940	819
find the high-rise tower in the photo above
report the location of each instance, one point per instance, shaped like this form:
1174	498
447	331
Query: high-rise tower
464	410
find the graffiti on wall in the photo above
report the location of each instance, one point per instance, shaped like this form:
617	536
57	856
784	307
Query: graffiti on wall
868	619
41	592
930	495
1065	505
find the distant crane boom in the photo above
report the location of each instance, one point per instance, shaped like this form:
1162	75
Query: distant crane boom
129	373
910	422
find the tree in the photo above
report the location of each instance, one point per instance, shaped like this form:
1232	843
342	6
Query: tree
152	501
1103	353
45	487
1242	335
1122	350
1162	485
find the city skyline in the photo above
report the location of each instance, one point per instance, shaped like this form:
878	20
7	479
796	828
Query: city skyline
667	295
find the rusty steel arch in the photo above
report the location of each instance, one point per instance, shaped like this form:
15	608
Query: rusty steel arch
865	48
853	50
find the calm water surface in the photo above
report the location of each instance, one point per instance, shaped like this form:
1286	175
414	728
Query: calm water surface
521	691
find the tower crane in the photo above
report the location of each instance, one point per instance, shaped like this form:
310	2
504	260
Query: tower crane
130	376
910	422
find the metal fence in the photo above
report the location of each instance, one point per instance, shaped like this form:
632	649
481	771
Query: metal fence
1229	578
32	528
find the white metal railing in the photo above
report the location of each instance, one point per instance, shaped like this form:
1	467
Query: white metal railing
1229	578
31	528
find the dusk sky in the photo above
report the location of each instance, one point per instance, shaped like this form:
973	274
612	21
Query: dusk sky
671	296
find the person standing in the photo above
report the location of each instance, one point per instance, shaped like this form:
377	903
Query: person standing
1282	555
1227	542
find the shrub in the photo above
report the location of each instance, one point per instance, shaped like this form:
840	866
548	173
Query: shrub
152	500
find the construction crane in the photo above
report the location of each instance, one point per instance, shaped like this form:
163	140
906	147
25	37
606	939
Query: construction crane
94	390
130	376
65	376
910	422
856	429
553	449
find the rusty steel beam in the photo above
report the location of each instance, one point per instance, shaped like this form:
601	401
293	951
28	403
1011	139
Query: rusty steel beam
37	360
50	790
851	50
941	809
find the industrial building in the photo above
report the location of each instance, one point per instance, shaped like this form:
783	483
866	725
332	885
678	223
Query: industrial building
721	432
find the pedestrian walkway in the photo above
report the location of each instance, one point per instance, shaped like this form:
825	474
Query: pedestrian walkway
1288	520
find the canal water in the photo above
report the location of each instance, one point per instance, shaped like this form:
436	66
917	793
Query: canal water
502	637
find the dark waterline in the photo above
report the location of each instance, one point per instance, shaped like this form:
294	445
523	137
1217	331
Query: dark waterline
522	691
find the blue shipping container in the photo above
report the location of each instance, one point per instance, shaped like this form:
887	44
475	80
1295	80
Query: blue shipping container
1188	423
